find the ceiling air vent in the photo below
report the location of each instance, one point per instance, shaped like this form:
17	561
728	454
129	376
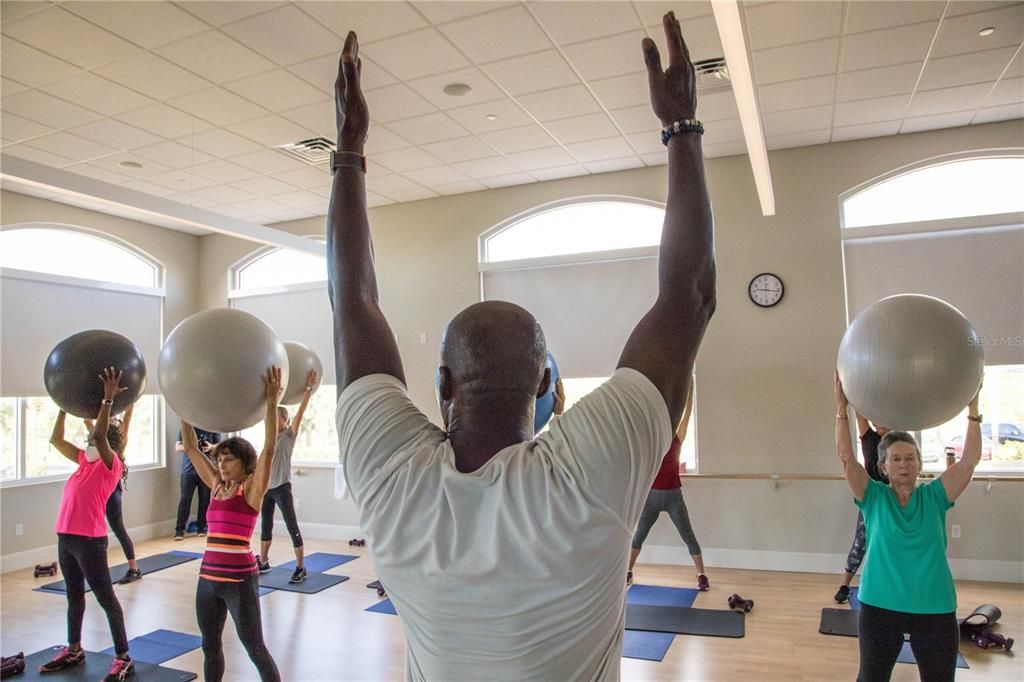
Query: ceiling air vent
712	74
314	151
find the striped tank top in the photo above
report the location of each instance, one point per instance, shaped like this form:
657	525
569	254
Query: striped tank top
228	557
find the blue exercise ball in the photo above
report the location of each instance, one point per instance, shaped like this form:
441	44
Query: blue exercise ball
72	371
545	407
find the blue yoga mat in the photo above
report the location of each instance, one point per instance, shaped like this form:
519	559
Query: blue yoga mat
266	590
656	595
854	599
318	562
384	606
160	645
907	656
647	646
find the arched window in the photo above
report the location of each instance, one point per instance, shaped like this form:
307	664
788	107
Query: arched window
949	188
275	267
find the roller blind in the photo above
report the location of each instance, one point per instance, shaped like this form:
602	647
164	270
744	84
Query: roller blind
981	272
36	315
587	310
304	316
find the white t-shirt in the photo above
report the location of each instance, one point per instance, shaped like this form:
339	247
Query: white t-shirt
517	570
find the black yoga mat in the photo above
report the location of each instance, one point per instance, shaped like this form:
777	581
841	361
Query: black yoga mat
95	668
149	564
277	579
684	620
838	622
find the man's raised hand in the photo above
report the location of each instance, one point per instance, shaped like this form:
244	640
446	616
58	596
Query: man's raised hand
351	112
674	90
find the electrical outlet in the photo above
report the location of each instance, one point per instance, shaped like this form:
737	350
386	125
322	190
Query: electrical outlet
19	529
954	531
423	337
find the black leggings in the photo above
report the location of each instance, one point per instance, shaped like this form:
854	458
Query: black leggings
191	483
116	520
934	639
85	559
213	602
282	497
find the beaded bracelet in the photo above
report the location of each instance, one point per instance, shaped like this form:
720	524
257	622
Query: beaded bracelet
687	125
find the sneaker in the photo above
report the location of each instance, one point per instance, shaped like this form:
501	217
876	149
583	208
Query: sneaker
178	537
298	576
66	658
201	533
121	669
264	566
843	595
130	576
629	577
702	583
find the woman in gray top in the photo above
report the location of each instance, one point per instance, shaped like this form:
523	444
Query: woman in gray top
279	491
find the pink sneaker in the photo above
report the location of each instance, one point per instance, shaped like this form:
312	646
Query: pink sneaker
65	658
121	669
702	583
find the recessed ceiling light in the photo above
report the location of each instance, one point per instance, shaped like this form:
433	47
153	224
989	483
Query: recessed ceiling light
987	31
130	165
457	89
491	117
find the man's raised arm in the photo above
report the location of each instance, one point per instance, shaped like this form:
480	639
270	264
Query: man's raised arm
664	343
363	341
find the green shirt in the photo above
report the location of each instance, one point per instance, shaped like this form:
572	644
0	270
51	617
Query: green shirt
906	568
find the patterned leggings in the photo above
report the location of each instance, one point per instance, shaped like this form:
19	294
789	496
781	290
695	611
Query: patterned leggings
860	545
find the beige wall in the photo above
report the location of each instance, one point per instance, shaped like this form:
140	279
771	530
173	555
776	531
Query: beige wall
153	494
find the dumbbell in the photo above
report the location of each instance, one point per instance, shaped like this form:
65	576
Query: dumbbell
987	639
357	542
45	569
738	603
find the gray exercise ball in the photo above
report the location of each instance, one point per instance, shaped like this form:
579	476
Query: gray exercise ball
301	359
910	362
211	366
72	371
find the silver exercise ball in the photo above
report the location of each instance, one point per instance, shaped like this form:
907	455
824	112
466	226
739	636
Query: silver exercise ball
211	366
910	362
301	359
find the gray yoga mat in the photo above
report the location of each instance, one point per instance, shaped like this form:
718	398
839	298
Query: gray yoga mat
149	564
95	668
277	579
685	620
841	622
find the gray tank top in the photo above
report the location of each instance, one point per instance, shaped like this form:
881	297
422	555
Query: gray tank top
281	470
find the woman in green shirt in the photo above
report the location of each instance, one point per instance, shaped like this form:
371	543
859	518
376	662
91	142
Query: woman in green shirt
906	586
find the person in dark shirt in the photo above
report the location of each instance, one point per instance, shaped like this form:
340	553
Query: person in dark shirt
191	483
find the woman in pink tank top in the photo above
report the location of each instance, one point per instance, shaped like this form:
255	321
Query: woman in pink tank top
228	576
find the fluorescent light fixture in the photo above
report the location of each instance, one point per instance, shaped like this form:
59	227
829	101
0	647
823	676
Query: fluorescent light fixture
734	44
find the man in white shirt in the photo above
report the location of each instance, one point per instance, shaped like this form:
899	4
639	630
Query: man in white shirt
505	554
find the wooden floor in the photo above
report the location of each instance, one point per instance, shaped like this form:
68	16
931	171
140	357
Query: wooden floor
304	632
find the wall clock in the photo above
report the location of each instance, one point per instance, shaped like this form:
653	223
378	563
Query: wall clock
766	289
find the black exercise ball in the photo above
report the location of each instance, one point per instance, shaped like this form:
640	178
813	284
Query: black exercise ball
73	368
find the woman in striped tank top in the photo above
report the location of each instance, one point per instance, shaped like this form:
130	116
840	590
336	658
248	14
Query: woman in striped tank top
229	577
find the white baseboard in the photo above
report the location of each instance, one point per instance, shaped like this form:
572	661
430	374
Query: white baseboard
318	531
807	562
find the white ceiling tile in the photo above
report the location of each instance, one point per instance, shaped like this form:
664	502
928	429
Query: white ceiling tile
1016	68
402	160
965	69
462	149
370	20
439	175
173	154
414	55
396	102
71	146
784	23
870	16
179	181
798	120
413	195
600	150
234	211
305	178
700	34
192	200
582	128
219	13
887	46
959	35
1006	112
373	200
612	165
570	171
791	62
518	139
645	143
260	206
797	139
222	171
652	12
730	130
550	105
958	7
567	24
297	198
715	106
637	119
537	159
873	110
487	37
220	142
881	82
47	109
285	35
948	100
165	121
97	173
112	163
224	194
1007	91
430	128
290	214
153	76
114	133
530	73
509	180
148	188
38	155
30	66
12	11
99	94
382	139
268	161
921	123
651	160
458	187
272	131
276	90
9	87
387	184
217	105
16	128
432	88
318	117
491	166
619	92
506	113
148	24
713	151
806	92
449	10
62	34
215	57
860	132
607	57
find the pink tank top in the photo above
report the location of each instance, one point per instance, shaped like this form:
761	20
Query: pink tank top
84	502
228	557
